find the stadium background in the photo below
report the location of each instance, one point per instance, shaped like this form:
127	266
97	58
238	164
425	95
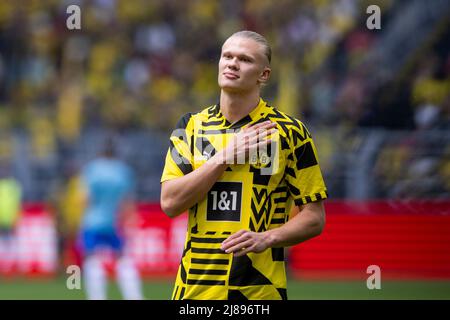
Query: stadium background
376	101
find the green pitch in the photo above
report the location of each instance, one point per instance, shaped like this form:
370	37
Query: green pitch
297	290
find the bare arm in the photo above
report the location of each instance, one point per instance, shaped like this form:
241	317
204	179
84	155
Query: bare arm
180	194
306	224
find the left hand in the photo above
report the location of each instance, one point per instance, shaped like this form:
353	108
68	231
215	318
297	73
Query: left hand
244	241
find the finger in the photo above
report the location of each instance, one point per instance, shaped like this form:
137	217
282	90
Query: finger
259	145
228	247
232	243
264	143
262	131
245	133
265	124
243	251
234	235
240	246
262	134
259	124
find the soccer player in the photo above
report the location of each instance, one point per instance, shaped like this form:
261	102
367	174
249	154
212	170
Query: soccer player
239	210
10	206
108	185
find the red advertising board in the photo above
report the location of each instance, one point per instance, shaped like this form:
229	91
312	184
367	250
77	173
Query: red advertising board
406	240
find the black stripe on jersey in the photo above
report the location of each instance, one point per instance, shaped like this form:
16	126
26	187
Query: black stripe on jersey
209	261
296	135
261	120
242	122
290	172
182	293
226	232
183	273
212	123
303	201
210	251
277	254
280	199
211	232
276	221
188	247
207	240
284	143
259	214
218	131
243	273
259	178
213	272
319	196
184	120
280	210
182	163
236	295
308	199
192	144
305	156
295	191
280	189
283	293
260	194
175	293
283	120
206	282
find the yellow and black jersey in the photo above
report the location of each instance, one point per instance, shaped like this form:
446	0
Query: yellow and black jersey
255	195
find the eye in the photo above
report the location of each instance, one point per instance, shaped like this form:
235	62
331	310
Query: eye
245	59
227	56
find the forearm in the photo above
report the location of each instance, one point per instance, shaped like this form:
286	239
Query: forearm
307	224
182	193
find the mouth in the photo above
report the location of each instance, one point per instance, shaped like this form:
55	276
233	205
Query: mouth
230	76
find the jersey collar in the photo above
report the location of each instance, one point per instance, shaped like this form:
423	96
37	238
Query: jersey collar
256	114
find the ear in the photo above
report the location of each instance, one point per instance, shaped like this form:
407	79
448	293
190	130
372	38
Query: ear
264	76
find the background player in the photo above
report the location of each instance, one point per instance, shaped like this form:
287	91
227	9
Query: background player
108	184
10	206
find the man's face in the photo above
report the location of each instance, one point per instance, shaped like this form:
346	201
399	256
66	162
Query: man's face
243	65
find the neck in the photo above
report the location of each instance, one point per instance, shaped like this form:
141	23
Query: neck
235	106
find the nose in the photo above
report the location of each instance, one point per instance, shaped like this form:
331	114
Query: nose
233	64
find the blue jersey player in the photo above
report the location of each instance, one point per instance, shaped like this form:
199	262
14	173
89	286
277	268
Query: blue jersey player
108	188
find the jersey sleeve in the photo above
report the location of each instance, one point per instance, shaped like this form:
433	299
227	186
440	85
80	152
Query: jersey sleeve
303	174
179	157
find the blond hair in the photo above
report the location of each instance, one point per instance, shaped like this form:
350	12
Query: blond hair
258	38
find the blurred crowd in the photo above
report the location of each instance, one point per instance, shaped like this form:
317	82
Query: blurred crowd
138	65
